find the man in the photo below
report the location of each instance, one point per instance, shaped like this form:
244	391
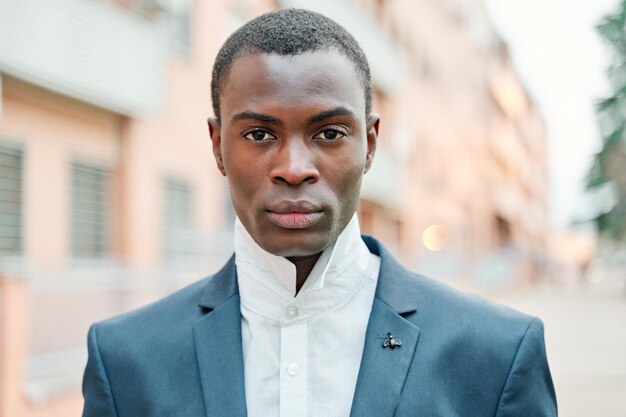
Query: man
308	318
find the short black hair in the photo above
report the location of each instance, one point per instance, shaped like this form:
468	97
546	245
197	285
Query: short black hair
289	32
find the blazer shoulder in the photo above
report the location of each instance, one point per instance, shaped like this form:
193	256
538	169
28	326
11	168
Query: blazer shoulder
443	311
485	334
170	309
452	302
477	354
180	306
435	303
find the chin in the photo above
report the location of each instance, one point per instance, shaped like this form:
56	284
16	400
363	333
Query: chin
295	248
295	252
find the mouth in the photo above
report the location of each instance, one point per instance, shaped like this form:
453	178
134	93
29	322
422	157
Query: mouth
295	214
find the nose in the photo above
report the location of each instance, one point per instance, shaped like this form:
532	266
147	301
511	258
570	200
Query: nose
294	164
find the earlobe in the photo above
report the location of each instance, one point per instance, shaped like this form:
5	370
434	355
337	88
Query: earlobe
373	122
216	138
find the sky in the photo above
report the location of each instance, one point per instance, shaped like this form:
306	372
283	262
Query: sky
561	60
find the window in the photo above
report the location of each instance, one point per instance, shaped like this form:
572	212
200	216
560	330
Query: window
10	201
177	15
177	219
90	220
180	31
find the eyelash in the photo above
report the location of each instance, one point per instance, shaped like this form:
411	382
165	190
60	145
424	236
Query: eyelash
252	131
340	134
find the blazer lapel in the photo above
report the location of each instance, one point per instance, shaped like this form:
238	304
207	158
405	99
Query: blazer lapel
218	346
383	370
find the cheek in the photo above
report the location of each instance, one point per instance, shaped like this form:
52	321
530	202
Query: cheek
242	182
345	178
237	160
242	195
242	176
348	170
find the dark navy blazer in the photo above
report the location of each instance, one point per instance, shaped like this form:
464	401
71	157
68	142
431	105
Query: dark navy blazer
461	356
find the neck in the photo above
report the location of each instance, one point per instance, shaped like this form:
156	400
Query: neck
304	265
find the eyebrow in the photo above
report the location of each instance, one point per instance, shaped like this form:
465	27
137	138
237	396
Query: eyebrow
337	111
249	115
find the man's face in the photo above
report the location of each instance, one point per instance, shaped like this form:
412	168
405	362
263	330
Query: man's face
294	144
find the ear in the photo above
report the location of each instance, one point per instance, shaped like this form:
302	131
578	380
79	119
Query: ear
372	136
216	137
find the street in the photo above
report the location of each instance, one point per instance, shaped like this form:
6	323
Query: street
585	327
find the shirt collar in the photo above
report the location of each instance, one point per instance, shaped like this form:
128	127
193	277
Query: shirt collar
266	279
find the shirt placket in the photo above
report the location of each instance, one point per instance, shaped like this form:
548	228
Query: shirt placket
293	365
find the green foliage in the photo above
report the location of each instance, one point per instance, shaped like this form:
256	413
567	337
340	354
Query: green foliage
609	165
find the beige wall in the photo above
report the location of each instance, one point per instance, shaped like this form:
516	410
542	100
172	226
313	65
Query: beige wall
52	131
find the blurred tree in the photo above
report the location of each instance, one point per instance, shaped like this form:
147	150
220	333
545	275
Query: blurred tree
609	166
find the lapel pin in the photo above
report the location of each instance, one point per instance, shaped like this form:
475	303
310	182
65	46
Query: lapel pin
391	341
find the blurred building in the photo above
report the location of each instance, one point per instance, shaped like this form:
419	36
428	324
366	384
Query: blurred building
109	196
467	147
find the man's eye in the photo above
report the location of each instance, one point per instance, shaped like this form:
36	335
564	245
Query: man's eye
259	135
330	134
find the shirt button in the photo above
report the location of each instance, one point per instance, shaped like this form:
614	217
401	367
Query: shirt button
292	312
293	369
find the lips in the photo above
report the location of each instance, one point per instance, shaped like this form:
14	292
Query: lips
294	214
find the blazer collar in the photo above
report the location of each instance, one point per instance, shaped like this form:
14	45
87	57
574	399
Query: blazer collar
221	286
383	371
218	343
395	287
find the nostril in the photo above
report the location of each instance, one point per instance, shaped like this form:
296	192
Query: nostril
295	175
295	179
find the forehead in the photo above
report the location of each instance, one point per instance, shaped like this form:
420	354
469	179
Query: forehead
324	78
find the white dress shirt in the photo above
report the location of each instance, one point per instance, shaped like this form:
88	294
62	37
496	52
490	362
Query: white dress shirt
302	352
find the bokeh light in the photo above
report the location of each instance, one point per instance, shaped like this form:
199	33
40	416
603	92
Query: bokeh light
435	237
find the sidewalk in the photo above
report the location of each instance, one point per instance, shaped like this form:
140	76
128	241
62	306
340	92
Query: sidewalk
585	325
